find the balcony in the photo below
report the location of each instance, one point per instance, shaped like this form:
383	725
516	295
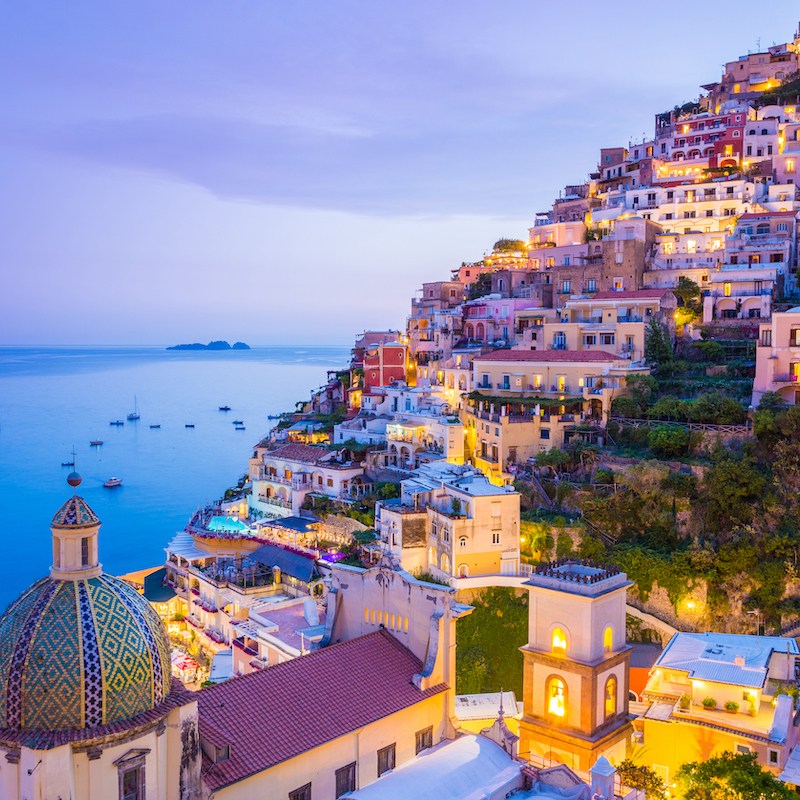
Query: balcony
785	378
240	645
630	318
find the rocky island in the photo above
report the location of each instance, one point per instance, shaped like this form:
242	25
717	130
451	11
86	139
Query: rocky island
216	345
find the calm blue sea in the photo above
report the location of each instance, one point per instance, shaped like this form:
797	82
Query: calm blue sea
54	399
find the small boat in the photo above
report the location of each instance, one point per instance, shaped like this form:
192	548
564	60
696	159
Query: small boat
95	443
274	416
134	415
153	427
239	428
116	422
189	425
224	408
67	463
112	483
238	422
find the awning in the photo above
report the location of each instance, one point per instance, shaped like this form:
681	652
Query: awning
183	545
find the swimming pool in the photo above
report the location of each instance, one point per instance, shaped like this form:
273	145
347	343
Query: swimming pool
227	524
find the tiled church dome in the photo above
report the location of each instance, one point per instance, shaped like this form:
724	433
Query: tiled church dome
80	653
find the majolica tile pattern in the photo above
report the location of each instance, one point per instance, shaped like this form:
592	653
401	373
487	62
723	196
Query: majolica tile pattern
75	512
77	654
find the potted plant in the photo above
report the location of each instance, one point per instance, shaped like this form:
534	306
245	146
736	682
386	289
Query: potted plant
685	703
731	706
709	702
753	708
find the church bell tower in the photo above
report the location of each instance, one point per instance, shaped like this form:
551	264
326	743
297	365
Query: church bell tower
576	664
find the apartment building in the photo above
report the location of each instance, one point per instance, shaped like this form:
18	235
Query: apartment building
613	322
778	357
712	693
452	522
281	478
759	260
527	402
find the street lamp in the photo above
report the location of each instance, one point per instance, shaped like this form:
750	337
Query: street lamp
760	627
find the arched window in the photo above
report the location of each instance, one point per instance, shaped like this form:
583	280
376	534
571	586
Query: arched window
608	639
559	644
611	697
432	556
462	542
463	571
556	699
445	562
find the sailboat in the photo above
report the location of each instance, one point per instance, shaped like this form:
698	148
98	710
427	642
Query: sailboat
134	415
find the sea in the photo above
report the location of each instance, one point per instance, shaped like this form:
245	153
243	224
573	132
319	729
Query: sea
55	400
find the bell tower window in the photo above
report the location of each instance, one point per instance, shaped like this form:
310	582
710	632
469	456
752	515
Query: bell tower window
556	697
608	639
559	644
85	551
611	697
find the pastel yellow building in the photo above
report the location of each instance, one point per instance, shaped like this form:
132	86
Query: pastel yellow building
452	522
711	693
526	402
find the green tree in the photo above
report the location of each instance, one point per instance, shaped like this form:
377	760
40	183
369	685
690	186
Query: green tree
657	346
481	286
509	246
640	777
730	777
689	303
668	441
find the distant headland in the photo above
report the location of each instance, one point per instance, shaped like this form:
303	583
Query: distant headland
218	345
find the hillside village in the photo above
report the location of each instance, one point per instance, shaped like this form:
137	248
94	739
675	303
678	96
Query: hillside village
543	541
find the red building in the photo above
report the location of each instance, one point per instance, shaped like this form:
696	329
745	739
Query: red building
384	364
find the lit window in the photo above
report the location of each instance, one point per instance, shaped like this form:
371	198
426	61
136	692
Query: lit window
726	289
790	165
556	697
559	641
611	697
608	639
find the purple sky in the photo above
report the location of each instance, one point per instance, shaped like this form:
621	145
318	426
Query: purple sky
290	172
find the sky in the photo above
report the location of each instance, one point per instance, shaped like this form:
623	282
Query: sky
290	173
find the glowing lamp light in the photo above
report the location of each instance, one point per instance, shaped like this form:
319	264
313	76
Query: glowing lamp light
556	706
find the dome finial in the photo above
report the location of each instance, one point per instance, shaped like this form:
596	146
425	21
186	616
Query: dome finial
74	479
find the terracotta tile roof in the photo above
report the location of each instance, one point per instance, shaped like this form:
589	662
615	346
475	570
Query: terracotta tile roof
638	294
547	356
280	712
300	452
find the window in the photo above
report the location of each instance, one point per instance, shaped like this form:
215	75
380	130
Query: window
495	538
85	551
668	215
303	793
566	287
589	340
544	433
790	165
424	739
773	757
386	759
782	227
726	289
591	284
606	338
559	641
556	704
611	697
346	779
608	639
742	749
794	337
445	565
766	338
131	783
462	542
